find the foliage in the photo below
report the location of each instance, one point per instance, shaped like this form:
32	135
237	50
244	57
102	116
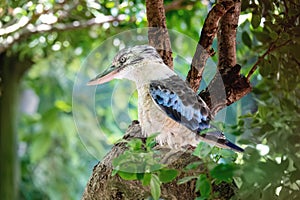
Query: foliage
220	166
271	167
54	163
141	162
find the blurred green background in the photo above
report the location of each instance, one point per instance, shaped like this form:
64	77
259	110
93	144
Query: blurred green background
44	43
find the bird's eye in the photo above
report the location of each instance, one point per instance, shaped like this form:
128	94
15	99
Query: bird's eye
122	59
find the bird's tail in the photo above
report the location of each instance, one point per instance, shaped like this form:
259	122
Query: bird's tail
217	138
233	146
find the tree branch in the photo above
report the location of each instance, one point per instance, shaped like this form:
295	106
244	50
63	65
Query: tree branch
229	78
31	29
203	50
262	57
158	34
259	60
227	36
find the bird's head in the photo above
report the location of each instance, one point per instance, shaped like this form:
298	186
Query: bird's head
126	62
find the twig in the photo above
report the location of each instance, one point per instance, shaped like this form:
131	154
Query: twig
271	48
286	7
260	58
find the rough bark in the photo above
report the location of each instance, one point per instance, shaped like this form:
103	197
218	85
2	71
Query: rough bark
158	33
204	50
227	36
229	78
102	185
10	74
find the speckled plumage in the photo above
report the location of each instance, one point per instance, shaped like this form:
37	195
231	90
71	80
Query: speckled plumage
167	105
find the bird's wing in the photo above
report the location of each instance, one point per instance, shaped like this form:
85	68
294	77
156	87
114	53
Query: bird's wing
174	97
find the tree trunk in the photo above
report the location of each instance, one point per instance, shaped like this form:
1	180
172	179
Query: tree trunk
10	74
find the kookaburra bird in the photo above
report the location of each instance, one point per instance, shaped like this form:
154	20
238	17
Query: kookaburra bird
166	104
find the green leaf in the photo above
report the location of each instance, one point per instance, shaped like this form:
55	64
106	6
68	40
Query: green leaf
186	179
121	159
273	61
64	106
202	150
255	20
110	4
155	187
135	144
262	36
223	172
246	39
155	167
245	5
146	180
265	68
193	165
203	185
150	141
167	175
114	172
241	123
227	155
127	175
273	35
140	176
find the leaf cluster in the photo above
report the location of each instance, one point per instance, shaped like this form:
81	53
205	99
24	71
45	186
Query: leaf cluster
141	162
220	167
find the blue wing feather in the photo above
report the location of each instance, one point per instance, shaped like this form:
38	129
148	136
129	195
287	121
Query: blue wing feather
179	102
173	102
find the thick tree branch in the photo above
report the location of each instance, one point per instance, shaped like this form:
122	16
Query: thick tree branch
102	185
228	81
227	87
227	36
204	51
158	34
31	29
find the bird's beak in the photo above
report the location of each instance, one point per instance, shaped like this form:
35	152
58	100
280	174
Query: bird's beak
105	76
